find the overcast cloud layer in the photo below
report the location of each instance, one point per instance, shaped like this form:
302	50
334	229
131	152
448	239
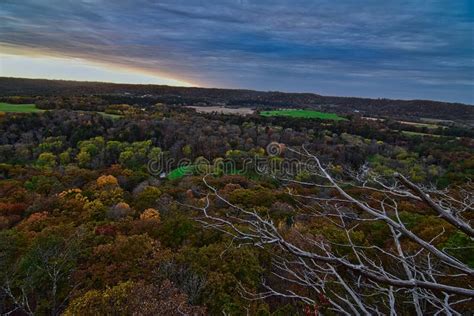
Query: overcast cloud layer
396	49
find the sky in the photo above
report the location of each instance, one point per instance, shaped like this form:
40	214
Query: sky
417	49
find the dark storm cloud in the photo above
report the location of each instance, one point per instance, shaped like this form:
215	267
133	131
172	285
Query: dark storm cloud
406	49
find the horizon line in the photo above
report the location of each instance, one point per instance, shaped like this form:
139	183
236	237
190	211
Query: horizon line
234	89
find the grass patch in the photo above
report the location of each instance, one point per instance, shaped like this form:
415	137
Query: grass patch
189	170
109	115
310	114
31	108
180	172
19	108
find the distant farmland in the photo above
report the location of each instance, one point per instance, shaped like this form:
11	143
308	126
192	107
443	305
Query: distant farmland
303	114
18	108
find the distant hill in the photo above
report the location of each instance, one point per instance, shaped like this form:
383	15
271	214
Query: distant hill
243	98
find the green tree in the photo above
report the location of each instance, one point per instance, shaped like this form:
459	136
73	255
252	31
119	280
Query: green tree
65	157
187	150
91	152
47	160
147	198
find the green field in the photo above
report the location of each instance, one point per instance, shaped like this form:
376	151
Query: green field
18	108
180	172
303	114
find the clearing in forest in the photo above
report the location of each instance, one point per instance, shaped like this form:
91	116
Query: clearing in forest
303	114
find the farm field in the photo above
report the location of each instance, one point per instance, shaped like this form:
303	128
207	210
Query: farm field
18	108
303	114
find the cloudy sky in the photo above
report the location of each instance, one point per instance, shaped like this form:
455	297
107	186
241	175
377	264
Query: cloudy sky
396	49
